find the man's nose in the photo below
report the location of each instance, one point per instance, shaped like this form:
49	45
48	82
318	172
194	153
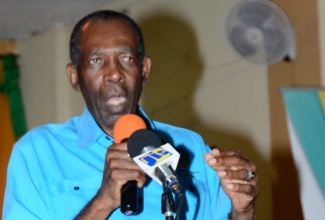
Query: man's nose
113	73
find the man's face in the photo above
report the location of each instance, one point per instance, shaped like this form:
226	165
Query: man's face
110	75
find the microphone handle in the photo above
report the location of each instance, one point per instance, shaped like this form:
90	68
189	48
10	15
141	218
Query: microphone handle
129	198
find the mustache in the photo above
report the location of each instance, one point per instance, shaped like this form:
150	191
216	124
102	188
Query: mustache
114	90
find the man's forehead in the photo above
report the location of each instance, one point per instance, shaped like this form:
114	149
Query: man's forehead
85	27
124	50
109	24
106	36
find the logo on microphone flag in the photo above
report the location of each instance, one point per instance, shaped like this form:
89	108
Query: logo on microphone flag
155	156
148	161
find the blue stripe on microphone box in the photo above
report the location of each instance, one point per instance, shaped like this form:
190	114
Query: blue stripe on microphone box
155	156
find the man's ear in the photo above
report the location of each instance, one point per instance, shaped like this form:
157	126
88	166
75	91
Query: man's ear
73	77
146	70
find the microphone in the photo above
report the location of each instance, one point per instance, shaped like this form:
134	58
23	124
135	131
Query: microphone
123	128
156	160
126	125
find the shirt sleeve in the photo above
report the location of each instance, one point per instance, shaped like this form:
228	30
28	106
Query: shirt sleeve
220	202
22	197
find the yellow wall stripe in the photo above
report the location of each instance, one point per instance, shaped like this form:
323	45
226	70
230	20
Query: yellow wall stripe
321	95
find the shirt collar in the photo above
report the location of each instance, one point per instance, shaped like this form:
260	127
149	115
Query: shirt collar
150	125
88	130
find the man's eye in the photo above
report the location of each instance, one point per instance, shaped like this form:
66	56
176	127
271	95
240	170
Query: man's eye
128	58
95	60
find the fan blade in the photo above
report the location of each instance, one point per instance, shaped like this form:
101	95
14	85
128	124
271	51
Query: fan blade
275	42
237	37
253	15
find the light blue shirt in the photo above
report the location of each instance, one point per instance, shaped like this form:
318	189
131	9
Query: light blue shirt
56	169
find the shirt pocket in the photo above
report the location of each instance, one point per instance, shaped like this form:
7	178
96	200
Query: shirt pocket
69	196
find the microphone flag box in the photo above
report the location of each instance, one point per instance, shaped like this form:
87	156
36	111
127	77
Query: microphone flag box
151	159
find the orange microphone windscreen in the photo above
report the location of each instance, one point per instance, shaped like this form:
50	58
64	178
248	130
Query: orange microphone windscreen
126	125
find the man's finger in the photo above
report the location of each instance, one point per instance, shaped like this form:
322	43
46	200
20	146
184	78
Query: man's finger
121	176
242	174
248	189
229	160
121	146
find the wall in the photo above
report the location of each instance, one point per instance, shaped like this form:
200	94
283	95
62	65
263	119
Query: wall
47	93
197	82
321	26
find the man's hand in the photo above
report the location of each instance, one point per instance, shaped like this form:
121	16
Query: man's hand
238	179
119	169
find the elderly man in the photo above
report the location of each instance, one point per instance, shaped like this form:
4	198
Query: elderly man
76	170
